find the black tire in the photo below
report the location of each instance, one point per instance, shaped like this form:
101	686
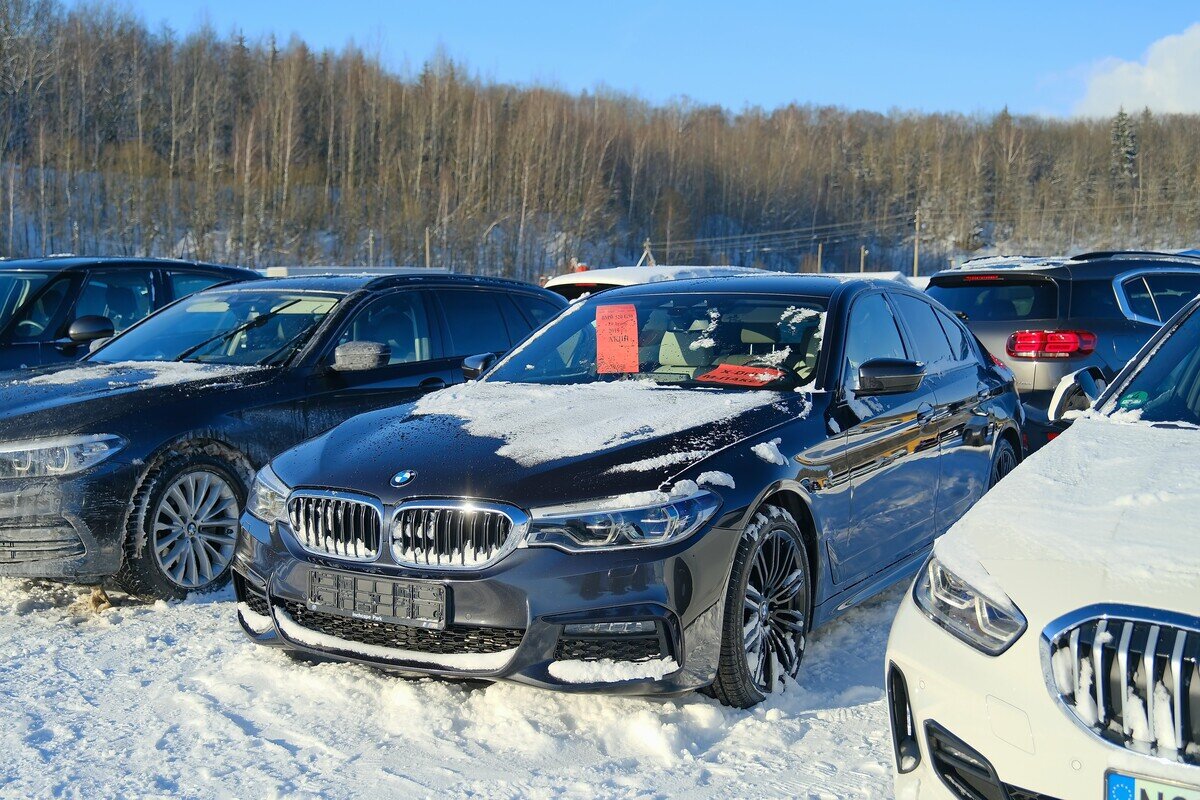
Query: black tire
1004	461
771	553
151	566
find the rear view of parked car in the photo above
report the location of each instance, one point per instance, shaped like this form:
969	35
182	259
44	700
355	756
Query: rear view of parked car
1047	318
1051	649
52	309
667	488
136	462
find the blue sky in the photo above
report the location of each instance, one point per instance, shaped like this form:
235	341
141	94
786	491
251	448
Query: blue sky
1041	57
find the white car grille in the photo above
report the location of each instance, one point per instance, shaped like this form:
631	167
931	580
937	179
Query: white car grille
1132	678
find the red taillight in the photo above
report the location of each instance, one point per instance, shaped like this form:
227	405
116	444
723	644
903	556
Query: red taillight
1050	344
1051	436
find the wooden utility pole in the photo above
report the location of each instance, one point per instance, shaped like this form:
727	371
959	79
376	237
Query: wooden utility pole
428	263
862	258
820	252
917	245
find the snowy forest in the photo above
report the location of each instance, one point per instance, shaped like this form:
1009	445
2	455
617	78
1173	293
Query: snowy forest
122	138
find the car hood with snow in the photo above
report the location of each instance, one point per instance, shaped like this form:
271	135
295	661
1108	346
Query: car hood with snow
537	445
1115	523
75	398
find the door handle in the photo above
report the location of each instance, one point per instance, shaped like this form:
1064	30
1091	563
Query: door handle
432	384
925	414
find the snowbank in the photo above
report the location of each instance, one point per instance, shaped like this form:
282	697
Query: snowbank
173	700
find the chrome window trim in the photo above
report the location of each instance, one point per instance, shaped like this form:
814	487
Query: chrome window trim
519	526
1118	283
1096	613
333	494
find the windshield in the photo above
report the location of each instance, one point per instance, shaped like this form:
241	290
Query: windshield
231	327
15	289
736	341
1167	388
988	298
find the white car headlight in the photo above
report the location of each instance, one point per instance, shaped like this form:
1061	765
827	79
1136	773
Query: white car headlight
990	624
49	458
588	527
268	497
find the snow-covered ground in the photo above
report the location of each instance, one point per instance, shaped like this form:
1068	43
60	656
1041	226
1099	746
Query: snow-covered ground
143	700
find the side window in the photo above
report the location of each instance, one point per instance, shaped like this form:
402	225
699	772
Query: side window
397	320
960	343
871	333
928	337
185	283
1172	292
475	322
124	296
535	308
1137	293
34	320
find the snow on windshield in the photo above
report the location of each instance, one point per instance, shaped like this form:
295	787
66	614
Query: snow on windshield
540	423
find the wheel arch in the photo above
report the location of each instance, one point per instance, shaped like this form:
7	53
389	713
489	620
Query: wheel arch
1009	434
206	442
795	504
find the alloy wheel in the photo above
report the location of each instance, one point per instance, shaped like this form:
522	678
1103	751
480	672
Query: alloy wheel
195	529
775	611
1006	462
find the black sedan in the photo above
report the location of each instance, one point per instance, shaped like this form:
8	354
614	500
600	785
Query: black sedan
664	489
136	462
51	309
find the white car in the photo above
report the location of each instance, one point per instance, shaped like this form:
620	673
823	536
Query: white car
1051	646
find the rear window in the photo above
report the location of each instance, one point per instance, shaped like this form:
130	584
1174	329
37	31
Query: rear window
987	299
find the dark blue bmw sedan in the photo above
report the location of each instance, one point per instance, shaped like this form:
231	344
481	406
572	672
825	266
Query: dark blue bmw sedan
666	488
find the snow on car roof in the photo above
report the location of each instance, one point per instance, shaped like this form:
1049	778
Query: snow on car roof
629	276
992	263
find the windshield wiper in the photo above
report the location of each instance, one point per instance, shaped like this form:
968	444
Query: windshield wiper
258	321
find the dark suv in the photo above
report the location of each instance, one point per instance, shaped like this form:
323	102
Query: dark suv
52	308
136	461
1048	317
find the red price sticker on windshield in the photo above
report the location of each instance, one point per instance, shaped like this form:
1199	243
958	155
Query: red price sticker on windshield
616	339
741	375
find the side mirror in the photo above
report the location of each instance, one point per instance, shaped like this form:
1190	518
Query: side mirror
90	328
361	356
474	366
881	376
1073	389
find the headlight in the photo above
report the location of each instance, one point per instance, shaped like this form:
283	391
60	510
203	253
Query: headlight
268	497
588	527
990	624
48	458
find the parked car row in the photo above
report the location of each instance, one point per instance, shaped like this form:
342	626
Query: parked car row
667	487
1047	318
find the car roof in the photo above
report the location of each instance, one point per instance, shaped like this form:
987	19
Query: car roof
62	263
629	276
347	282
1101	264
761	282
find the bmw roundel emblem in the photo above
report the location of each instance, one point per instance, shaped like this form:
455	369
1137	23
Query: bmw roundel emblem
404	477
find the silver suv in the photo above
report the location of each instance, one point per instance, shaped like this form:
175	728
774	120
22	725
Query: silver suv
1048	317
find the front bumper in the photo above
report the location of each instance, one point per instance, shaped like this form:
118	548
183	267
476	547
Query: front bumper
66	528
1002	710
507	622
